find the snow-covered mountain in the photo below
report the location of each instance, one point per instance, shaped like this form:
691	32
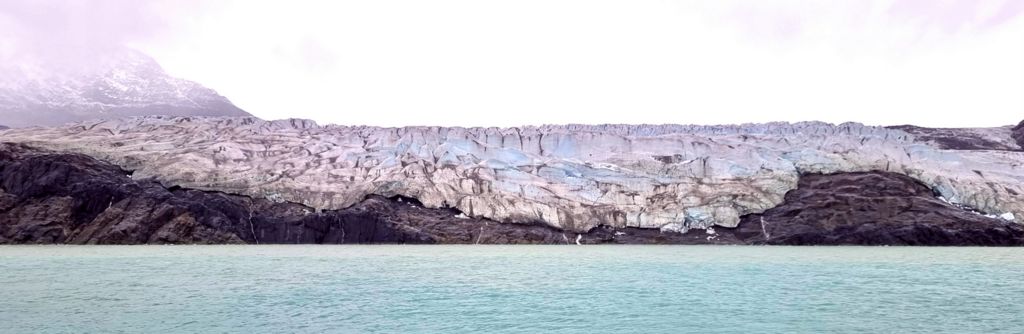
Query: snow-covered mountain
104	85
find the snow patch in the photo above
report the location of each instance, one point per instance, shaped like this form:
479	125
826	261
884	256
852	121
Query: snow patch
1007	216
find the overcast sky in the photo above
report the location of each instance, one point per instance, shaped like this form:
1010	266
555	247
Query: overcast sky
505	63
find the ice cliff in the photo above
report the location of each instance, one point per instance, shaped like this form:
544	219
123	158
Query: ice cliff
572	177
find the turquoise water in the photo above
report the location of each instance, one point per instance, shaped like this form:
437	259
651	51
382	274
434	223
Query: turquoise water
514	289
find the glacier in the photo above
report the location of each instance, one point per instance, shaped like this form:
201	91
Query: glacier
571	177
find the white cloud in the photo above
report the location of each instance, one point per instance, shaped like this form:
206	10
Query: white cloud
507	63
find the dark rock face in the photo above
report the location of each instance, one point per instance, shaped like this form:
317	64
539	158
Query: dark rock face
68	198
960	139
63	198
872	208
1018	134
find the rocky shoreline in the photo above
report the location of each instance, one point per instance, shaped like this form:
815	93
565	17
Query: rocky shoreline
62	198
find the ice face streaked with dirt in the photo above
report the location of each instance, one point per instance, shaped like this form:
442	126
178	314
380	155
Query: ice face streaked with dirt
574	177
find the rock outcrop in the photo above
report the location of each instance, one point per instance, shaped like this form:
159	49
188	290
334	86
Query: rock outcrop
573	178
1018	134
48	197
873	208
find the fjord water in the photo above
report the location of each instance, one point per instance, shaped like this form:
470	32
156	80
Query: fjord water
515	289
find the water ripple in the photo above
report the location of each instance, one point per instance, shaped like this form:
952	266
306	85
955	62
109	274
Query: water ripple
510	289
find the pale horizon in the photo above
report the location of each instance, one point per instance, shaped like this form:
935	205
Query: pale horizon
502	64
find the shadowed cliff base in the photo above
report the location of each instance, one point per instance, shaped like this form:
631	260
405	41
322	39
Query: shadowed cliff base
50	197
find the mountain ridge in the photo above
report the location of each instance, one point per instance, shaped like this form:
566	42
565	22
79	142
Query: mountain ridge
116	84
